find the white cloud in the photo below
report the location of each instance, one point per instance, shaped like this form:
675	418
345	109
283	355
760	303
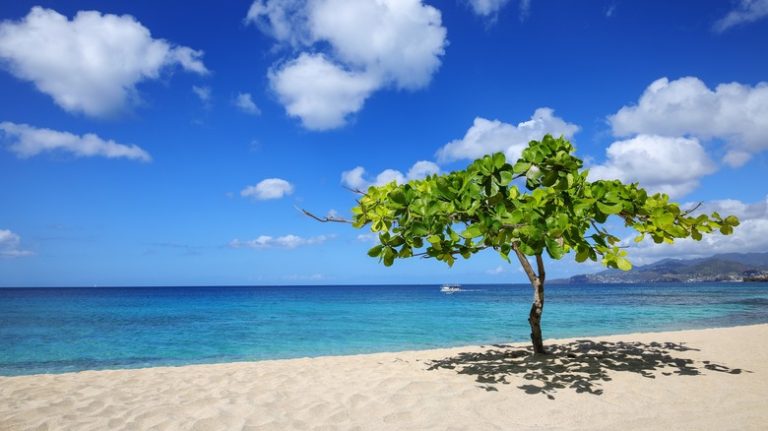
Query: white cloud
745	12
660	164
285	20
319	92
245	102
270	188
487	7
355	178
92	63
27	141
744	211
525	9
490	8
750	236
371	44
10	245
388	175
203	93
287	241
422	169
368	237
496	271
486	136
734	113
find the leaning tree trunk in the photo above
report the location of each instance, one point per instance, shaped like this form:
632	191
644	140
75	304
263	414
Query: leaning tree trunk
537	282
534	317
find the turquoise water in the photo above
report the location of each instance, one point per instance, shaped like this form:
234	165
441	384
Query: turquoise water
61	330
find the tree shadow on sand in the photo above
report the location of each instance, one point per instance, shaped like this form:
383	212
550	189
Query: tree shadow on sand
581	365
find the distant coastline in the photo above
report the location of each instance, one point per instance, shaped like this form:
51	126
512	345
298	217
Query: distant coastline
728	267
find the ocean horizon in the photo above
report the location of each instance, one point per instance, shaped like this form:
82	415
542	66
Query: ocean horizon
56	330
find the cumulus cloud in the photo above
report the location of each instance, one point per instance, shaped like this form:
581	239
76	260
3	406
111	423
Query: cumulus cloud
658	163
270	188
356	179
92	63
244	101
750	236
422	169
734	113
320	93
10	245
370	44
490	136
28	141
286	241
746	11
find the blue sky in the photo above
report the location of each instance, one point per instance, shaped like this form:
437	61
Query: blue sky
168	143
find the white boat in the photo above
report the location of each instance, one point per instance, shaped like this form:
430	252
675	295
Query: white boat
450	288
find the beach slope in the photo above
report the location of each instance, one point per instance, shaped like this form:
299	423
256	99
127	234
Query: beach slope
713	379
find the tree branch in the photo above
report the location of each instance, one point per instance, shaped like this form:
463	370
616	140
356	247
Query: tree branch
325	219
692	209
525	264
358	191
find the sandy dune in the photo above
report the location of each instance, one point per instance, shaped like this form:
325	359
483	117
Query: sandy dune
633	385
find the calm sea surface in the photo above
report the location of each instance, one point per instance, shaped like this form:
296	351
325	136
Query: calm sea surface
61	330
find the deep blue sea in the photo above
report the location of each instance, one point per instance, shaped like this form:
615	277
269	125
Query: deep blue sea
68	329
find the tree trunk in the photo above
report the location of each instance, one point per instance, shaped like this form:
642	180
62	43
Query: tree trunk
534	317
537	281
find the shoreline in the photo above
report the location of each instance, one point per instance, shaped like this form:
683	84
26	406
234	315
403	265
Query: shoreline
465	347
406	351
715	378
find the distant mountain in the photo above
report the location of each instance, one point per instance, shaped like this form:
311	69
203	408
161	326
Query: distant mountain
720	267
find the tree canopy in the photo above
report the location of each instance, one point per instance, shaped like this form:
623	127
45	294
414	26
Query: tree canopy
558	211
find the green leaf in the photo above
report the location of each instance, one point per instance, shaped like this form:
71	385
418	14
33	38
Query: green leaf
554	249
521	167
506	177
582	254
473	231
499	160
609	209
623	264
375	251
397	196
419	229
549	178
389	256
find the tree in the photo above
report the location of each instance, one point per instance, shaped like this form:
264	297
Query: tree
560	211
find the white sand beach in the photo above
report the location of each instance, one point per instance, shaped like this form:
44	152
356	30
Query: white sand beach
722	385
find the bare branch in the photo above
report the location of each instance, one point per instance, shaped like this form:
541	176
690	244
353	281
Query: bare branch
325	219
600	231
356	190
692	209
